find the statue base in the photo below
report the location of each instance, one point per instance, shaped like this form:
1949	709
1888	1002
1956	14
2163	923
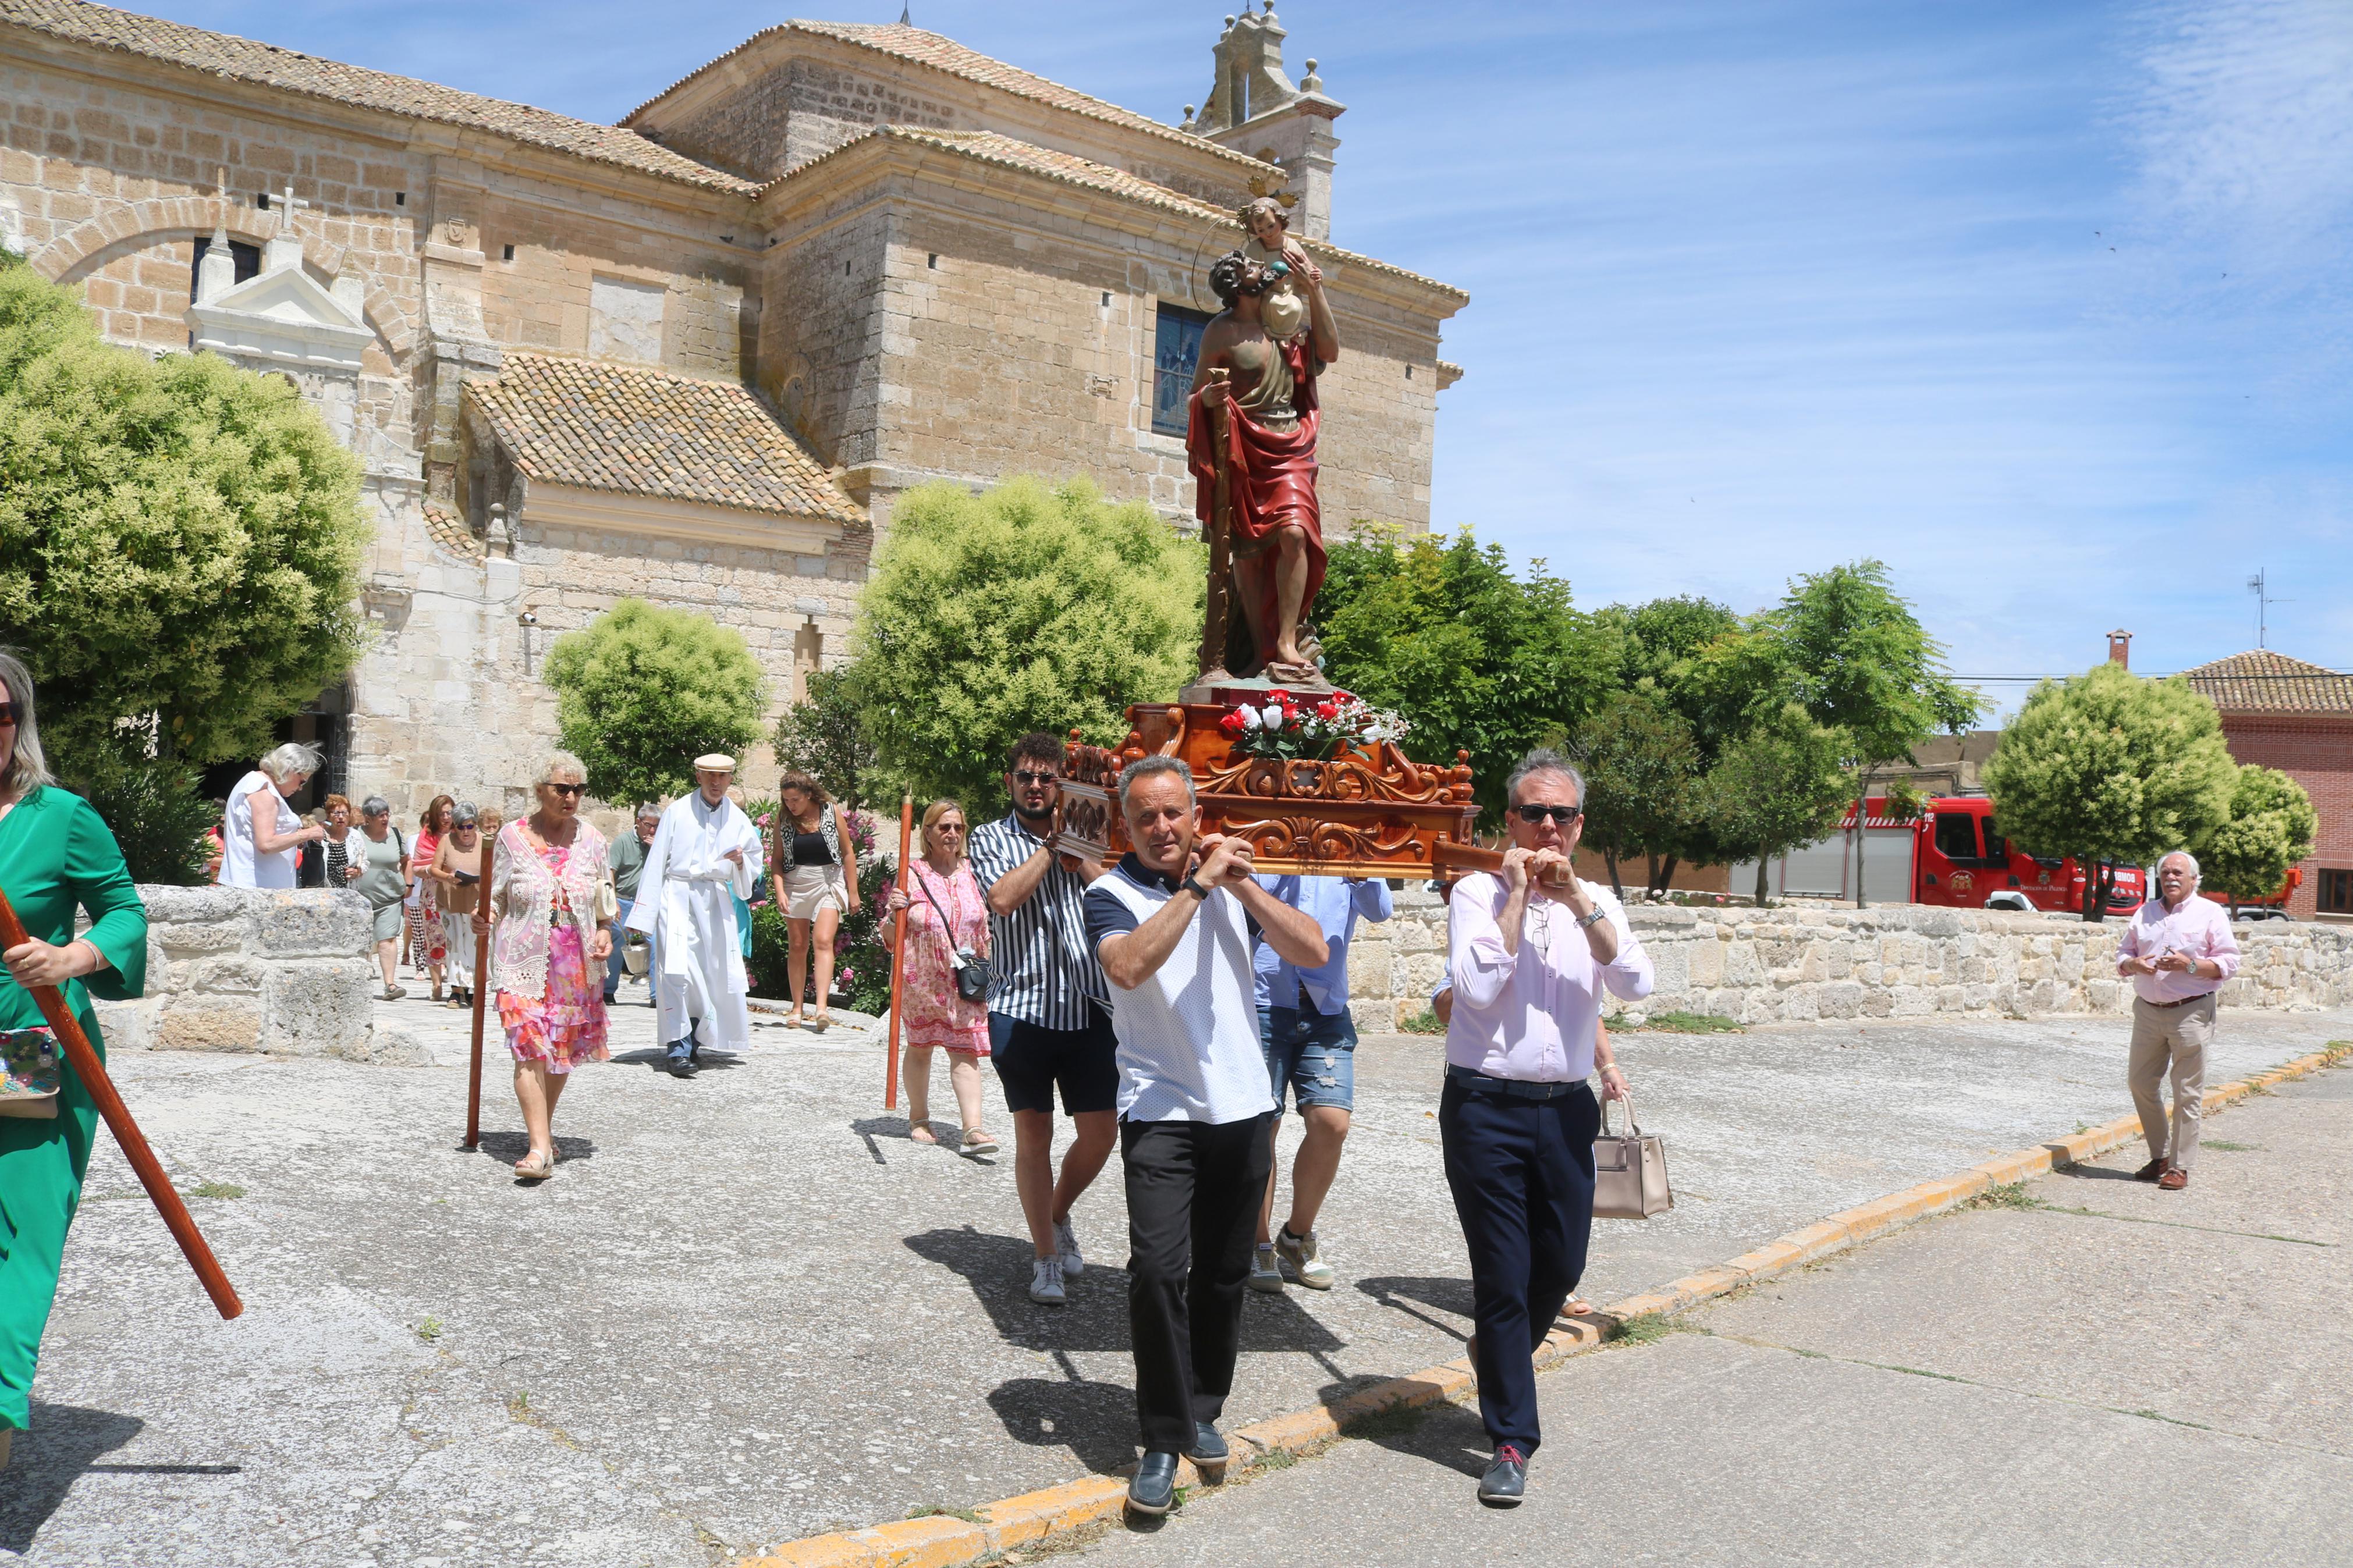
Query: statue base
1366	812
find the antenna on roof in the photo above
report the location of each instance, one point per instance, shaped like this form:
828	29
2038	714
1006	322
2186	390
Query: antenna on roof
902	16
2264	600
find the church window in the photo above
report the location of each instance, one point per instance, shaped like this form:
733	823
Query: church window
247	259
1176	351
509	253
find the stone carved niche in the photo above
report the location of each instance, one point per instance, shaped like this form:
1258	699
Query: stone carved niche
283	319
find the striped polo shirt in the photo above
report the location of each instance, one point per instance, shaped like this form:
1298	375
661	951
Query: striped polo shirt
1045	968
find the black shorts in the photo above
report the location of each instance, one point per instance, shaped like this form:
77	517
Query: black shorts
1030	1060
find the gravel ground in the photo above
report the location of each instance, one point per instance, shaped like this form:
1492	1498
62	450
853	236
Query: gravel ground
748	1309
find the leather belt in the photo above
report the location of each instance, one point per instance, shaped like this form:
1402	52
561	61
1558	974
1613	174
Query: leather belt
1512	1088
2184	1002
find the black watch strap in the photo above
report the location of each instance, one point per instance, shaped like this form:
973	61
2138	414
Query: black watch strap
1192	885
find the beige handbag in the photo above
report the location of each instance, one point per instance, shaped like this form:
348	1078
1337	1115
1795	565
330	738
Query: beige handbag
1630	1171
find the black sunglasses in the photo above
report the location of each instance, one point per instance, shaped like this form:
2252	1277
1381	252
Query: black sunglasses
569	791
1024	776
10	714
1564	815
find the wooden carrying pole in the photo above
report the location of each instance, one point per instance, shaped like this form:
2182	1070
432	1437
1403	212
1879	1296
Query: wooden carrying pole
481	990
92	1073
898	952
1452	859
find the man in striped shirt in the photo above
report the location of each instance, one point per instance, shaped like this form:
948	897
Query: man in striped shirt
1050	1018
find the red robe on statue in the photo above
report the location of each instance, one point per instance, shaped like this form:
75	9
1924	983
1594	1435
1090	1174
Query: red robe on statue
1273	482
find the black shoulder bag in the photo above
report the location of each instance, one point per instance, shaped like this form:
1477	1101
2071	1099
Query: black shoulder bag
975	978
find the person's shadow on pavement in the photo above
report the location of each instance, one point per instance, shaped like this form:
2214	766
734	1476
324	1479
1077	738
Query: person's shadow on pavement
64	1445
1419	1297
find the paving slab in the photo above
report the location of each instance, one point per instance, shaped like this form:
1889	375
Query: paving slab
747	1309
1994	1385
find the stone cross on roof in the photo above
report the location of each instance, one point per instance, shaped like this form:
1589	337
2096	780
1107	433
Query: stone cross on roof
287	203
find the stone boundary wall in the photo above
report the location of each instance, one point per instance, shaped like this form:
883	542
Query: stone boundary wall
234	969
1901	961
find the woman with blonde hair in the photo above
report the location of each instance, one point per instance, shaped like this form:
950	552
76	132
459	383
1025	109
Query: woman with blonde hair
426	949
947	923
57	859
260	835
552	892
813	872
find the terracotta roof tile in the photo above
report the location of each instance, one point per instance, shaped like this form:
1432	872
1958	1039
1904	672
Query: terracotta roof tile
449	531
2262	681
638	431
990	147
242	59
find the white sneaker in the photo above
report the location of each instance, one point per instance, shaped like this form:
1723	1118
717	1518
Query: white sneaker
1299	1252
1066	1242
1265	1273
1046	1281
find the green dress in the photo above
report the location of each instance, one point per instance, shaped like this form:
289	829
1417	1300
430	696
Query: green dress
55	854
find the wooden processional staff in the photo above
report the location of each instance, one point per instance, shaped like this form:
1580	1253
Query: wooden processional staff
92	1073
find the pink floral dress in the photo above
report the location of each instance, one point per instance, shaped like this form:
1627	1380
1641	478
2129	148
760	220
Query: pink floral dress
564	1024
933	1012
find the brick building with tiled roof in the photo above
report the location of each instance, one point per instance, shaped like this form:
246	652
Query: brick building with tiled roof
693	356
2283	713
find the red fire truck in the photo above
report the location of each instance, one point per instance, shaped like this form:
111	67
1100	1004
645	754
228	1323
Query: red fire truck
1952	854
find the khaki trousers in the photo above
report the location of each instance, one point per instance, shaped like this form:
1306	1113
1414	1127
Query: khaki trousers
2170	1041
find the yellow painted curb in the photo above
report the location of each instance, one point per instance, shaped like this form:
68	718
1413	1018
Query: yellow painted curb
1057	1512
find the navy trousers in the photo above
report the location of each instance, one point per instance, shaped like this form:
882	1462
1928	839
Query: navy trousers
1522	1175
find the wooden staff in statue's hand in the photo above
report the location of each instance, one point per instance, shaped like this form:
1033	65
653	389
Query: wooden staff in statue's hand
38	967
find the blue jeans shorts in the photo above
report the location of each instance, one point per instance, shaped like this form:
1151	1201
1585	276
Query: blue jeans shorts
1313	1053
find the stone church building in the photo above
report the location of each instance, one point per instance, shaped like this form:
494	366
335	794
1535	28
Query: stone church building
693	356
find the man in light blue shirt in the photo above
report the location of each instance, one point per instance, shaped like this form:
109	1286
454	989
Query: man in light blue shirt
1310	1043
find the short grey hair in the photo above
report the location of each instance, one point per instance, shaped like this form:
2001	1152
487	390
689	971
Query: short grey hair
282	763
2181	855
558	764
649	808
1145	767
375	805
1543	759
25	769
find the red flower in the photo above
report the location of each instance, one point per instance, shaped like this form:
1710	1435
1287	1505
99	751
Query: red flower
1343	695
1327	711
1277	694
1231	724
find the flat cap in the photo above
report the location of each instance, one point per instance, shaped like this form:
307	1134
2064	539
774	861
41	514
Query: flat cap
714	763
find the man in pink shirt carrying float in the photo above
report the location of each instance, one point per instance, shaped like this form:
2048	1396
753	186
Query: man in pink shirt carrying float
2177	951
1529	957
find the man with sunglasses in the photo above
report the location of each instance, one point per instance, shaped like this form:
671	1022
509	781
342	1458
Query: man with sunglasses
1530	951
1050	1016
704	857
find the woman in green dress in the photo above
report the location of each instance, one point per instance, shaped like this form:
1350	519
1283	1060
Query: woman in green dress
55	855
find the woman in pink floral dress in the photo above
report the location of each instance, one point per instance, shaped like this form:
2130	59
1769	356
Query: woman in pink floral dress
551	897
946	911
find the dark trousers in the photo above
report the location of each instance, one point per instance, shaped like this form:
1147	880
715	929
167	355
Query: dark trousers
1522	1174
1193	1192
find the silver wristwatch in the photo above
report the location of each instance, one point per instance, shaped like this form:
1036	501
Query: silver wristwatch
1599	915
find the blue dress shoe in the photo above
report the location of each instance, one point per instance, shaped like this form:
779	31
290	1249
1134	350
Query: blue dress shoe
1153	1489
1208	1452
1506	1480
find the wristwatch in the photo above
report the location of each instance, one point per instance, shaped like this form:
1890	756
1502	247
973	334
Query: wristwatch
1597	915
1192	884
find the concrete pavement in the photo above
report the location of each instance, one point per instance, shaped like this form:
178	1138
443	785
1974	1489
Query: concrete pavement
2098	1373
748	1309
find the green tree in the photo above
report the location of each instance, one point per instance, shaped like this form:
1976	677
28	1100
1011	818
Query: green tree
1780	786
179	537
822	736
1662	642
1477	659
1848	648
2272	825
2109	767
1025	608
1642	772
641	691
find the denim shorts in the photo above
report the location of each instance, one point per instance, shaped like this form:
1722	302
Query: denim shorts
1313	1053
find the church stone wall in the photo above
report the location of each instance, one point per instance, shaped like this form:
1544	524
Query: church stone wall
821	330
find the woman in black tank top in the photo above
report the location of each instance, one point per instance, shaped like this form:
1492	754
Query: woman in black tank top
813	870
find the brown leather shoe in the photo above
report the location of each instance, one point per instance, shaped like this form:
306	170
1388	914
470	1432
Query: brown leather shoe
2151	1170
2174	1179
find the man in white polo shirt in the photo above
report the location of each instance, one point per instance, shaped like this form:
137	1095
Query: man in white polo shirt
1173	925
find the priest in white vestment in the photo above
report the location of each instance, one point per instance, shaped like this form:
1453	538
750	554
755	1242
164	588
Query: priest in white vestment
704	857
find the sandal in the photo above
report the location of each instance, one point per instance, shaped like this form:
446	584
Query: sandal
976	1142
817	1025
1577	1307
921	1133
535	1166
394	993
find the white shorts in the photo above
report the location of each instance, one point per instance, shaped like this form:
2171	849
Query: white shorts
810	888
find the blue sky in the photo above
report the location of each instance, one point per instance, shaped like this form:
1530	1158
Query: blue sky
2049	306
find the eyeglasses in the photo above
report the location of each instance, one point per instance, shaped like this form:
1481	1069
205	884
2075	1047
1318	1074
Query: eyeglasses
569	791
10	714
1564	815
1024	775
948	827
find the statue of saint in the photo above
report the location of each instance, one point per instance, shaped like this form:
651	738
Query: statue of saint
1256	383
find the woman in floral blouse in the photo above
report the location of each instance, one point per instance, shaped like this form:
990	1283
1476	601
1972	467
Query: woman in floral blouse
552	892
946	911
